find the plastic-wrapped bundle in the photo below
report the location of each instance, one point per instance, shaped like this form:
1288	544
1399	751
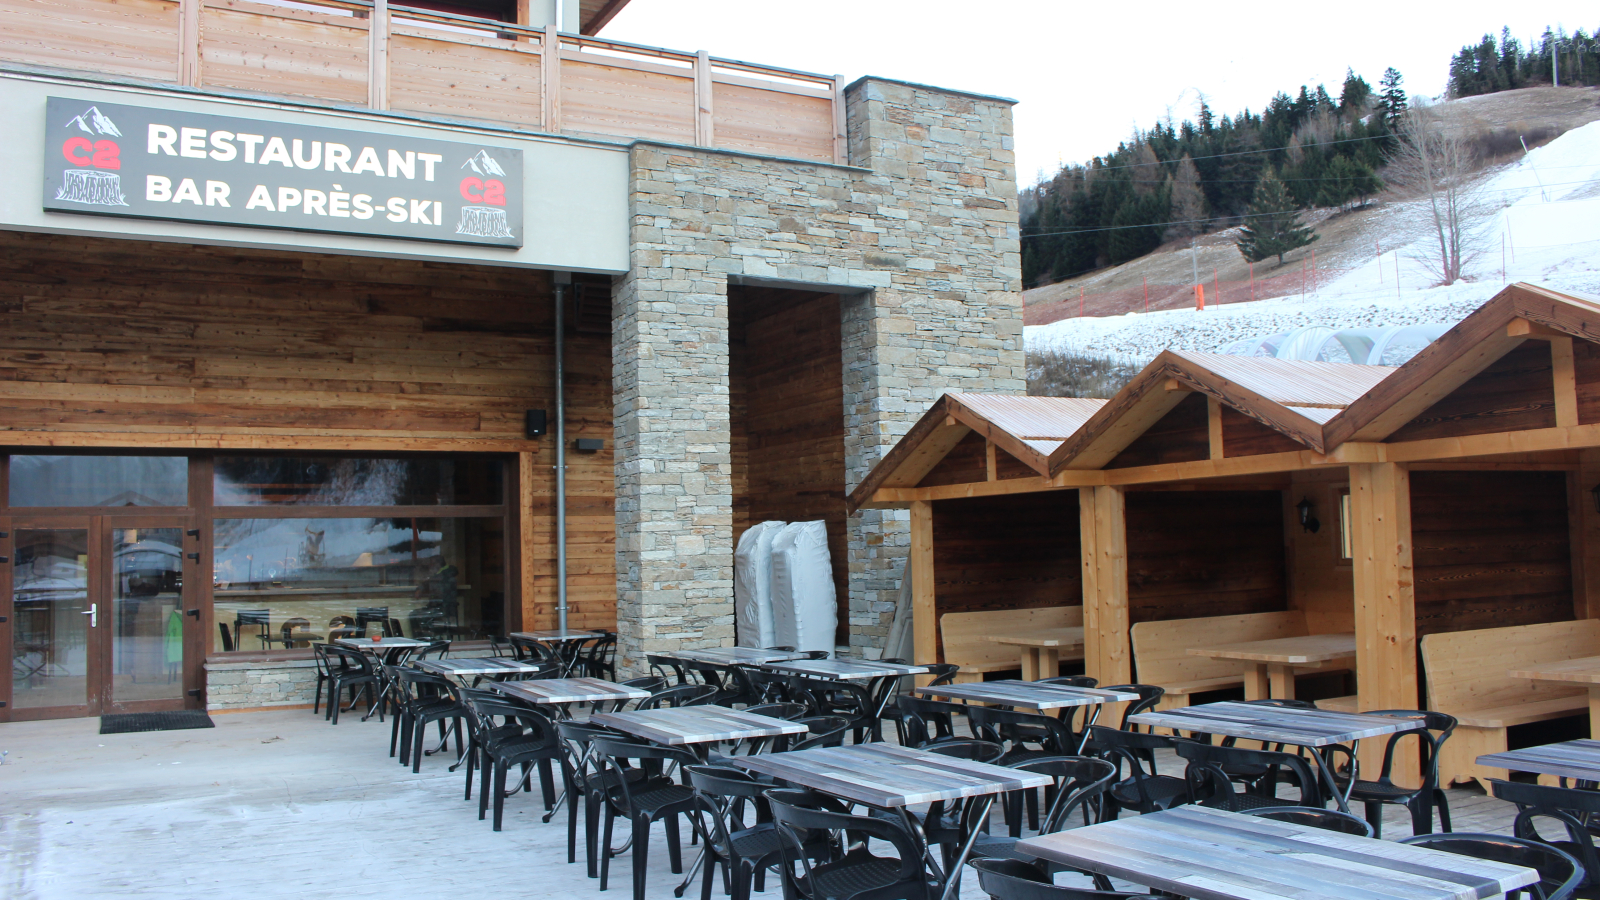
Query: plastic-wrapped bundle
752	585
804	611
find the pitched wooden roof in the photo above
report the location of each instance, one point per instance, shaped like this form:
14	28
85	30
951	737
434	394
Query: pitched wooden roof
594	14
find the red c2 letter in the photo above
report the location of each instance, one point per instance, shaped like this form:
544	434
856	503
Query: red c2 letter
105	155
469	188
77	143
494	192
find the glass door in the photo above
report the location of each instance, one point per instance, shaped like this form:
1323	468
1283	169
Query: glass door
53	618
147	622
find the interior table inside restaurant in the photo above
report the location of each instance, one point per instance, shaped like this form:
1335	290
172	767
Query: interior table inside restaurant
1211	854
1043	649
1270	666
891	777
1583	672
1314	729
1576	760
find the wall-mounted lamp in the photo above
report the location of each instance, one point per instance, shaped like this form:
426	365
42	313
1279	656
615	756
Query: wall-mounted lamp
1596	492
1309	523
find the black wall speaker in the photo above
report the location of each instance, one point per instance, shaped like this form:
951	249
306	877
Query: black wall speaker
536	423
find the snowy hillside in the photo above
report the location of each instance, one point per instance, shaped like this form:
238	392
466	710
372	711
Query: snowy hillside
1547	215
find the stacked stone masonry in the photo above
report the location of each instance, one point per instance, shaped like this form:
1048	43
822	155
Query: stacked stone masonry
919	233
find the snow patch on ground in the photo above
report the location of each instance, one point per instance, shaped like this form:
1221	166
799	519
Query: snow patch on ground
1547	214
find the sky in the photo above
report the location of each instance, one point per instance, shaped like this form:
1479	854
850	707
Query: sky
1086	75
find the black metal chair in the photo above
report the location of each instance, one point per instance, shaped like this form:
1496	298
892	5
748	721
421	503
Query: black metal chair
1143	790
1011	879
642	802
802	818
1211	785
1559	873
1420	801
1078	783
1311	817
1570	808
924	720
356	670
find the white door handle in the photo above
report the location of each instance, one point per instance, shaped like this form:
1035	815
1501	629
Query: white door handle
93	613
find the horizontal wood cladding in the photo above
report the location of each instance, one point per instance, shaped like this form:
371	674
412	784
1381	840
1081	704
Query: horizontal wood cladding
786	398
1244	436
1515	393
174	345
1015	552
1007	466
1181	435
1586	371
1490	549
1205	553
964	464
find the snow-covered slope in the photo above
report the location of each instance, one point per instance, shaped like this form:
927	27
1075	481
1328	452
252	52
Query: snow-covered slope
1547	213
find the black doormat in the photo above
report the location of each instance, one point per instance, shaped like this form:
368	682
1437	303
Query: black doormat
123	723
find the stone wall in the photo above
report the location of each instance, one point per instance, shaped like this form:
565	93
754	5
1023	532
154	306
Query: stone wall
258	684
920	231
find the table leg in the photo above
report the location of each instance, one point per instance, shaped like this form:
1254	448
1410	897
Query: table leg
953	880
1340	797
1030	663
1281	682
1256	686
1049	662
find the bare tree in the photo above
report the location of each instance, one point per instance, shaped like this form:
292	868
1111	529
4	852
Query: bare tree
1435	158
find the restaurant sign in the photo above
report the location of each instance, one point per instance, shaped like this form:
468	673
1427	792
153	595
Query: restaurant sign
114	160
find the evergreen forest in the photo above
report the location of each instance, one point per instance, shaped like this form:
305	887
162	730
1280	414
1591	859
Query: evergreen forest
1504	65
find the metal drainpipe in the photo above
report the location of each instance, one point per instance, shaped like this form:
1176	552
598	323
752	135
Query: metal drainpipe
562	280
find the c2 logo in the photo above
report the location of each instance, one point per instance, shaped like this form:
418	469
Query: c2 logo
493	192
96	154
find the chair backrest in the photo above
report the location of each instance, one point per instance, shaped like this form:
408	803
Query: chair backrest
662	665
679	695
1149	696
1161	649
789	711
964	748
1079	782
1312	817
1210	785
964	635
1467	670
1013	879
1437	728
943	673
435	650
721	794
1559	874
497	646
1572	809
351	659
1132	747
1002	725
927	720
1082	681
826	731
227	638
797	814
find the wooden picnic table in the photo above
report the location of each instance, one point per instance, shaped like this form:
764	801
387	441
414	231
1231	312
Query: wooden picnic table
888	776
1211	854
696	725
1269	666
1578	760
1584	671
1043	648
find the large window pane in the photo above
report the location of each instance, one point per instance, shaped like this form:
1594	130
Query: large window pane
282	583
50	637
99	481
332	481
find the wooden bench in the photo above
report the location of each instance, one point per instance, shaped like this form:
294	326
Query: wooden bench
966	643
1161	651
1466	675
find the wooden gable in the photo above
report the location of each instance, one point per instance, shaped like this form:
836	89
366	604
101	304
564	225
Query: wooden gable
1182	435
1245	436
1514	393
968	463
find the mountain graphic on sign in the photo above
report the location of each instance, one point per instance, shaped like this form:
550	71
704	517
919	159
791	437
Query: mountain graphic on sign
484	164
93	121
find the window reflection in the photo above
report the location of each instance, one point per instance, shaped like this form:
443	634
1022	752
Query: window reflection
283	583
332	481
99	481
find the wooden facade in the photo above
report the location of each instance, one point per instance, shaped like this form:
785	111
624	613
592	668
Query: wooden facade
1465	474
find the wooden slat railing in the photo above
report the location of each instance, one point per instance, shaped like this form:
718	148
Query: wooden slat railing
371	53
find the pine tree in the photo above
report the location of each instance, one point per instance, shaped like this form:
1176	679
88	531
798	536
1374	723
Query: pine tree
1188	202
1353	96
1392	99
1274	228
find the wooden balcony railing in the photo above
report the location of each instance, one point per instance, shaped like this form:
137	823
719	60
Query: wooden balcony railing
366	52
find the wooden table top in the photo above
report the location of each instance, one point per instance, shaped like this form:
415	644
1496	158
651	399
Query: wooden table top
388	643
1568	759
696	725
556	635
729	656
844	669
1582	671
1210	854
1026	694
1309	648
1276	724
568	690
487	665
1043	637
887	775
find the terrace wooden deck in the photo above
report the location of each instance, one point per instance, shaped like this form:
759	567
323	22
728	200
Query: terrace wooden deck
361	53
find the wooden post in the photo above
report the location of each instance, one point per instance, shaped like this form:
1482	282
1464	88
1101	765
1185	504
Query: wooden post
1102	516
991	463
1585	523
841	135
1385	602
526	526
189	43
378	56
704	130
1566	383
550	60
920	565
1214	426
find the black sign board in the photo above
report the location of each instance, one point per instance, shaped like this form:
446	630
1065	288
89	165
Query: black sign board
113	160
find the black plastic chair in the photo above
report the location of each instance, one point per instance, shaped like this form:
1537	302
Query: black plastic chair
745	850
1420	801
1082	681
924	720
1078	783
642	802
787	711
826	731
848	699
802	818
679	696
1143	791
967	748
1312	817
356	671
434	650
816	654
652	683
1018	731
943	673
584	777
1011	879
662	665
420	698
523	737
328	665
1149	696
1559	873
1572	809
1211	785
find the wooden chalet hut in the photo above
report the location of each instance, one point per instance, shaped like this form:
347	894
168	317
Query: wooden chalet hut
1449	496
